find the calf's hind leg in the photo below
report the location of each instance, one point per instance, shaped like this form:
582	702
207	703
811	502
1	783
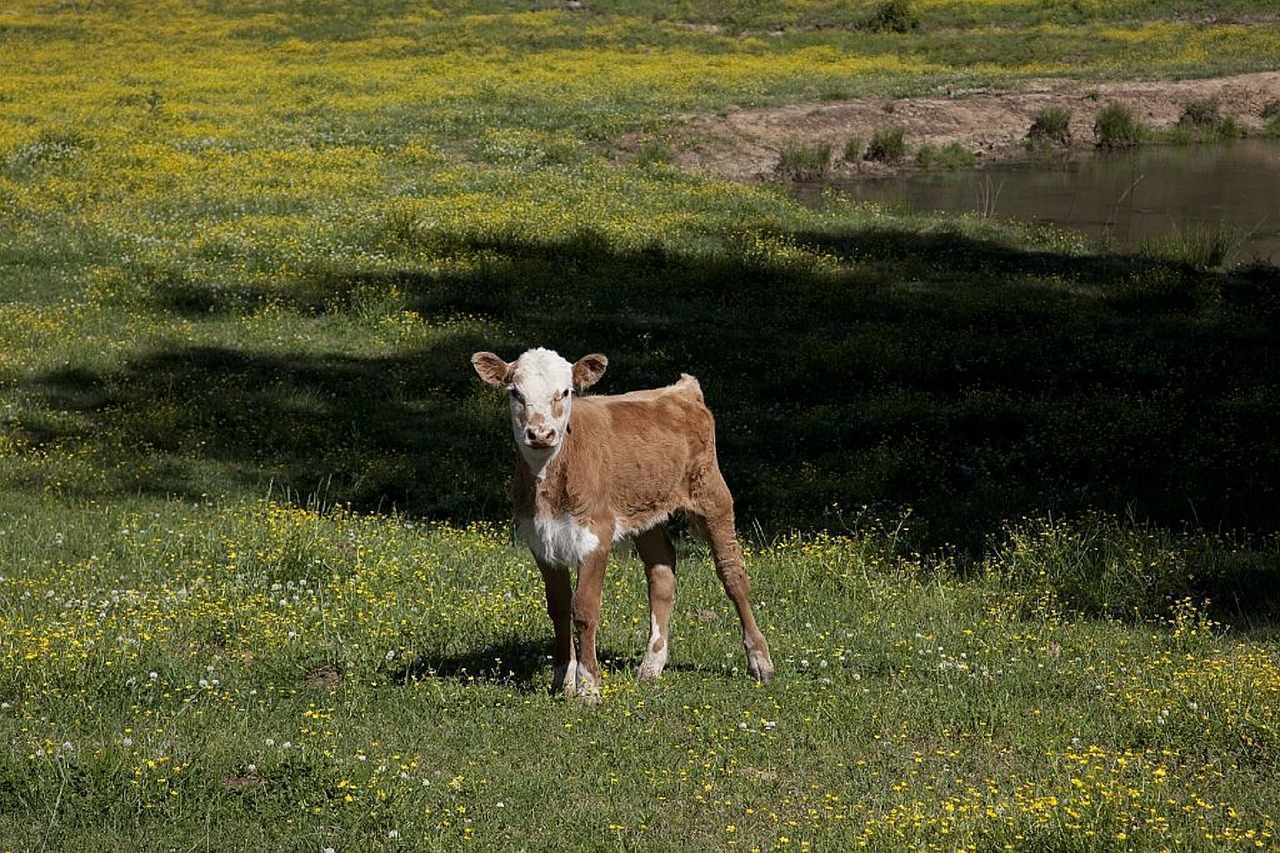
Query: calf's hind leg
659	555
715	513
732	570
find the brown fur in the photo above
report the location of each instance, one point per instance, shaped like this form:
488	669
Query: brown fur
624	466
600	476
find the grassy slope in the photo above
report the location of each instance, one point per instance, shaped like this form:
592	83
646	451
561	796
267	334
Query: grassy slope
246	249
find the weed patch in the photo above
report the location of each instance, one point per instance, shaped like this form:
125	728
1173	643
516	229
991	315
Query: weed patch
1116	127
893	16
1096	567
953	155
1203	113
887	145
804	162
853	150
1051	126
1201	246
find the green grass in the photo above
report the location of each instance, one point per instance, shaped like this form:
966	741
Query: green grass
1051	126
1007	499
887	145
1116	127
260	675
893	16
1202	121
852	150
804	162
1201	245
953	155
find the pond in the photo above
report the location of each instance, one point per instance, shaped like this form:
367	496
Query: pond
1125	198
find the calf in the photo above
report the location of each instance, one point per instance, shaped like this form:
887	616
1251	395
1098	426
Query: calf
593	470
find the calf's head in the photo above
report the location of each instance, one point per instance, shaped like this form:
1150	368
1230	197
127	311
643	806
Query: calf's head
540	387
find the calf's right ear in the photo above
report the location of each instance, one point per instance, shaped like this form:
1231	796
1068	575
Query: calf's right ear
492	369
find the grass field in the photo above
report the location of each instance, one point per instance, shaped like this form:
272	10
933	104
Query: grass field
1009	497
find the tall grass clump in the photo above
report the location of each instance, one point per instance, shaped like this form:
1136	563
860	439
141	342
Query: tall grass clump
1201	245
988	197
953	155
1097	565
1116	127
1051	126
1202	112
893	16
1202	120
804	161
1270	114
887	145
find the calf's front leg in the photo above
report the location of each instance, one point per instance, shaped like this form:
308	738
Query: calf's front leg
586	618
559	608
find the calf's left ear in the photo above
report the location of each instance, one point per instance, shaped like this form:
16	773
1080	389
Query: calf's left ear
588	370
492	369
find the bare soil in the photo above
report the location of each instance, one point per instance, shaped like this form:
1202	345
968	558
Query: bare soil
745	144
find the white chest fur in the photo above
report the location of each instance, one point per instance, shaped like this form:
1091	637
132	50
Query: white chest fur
557	540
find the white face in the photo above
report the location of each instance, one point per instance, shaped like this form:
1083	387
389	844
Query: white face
540	393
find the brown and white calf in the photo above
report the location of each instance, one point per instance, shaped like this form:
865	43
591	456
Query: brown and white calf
592	470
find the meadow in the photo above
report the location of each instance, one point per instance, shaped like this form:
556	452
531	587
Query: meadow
1008	496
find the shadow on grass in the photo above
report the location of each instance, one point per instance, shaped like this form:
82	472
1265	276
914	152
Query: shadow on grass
522	664
375	433
517	662
969	381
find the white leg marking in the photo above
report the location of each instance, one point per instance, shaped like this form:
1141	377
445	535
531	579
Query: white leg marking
576	681
655	656
566	679
588	688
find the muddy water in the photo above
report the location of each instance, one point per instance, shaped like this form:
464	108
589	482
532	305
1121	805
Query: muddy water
1125	198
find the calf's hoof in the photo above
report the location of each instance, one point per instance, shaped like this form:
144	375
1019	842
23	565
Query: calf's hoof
652	666
578	683
588	692
760	666
648	673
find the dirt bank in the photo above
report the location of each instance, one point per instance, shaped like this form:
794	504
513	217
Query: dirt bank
745	144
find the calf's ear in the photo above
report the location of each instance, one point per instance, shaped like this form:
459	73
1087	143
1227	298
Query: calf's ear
492	369
588	370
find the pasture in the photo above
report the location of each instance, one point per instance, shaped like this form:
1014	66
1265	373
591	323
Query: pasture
1009	498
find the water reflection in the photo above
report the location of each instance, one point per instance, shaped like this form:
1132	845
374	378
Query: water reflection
1126	197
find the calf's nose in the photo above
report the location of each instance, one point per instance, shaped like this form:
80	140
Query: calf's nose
540	436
